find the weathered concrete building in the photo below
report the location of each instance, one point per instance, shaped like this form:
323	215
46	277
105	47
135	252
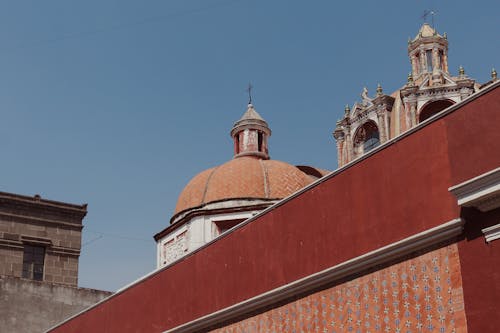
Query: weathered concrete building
40	243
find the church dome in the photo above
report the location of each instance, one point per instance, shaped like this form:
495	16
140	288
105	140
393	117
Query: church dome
251	180
242	178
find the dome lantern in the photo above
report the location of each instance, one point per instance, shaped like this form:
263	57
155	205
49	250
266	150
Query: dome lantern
250	135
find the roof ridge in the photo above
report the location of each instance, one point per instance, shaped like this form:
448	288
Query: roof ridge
251	113
266	185
205	190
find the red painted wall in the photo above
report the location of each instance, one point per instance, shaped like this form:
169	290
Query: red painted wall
391	195
474	149
428	284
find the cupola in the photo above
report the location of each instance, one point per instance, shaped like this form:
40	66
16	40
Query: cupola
428	53
250	135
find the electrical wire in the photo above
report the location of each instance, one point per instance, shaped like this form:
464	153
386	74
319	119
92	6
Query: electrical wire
111	235
126	25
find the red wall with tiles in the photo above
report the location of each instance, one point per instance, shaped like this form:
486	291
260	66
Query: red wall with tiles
420	294
474	148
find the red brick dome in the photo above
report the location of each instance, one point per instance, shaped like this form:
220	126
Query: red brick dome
250	179
242	178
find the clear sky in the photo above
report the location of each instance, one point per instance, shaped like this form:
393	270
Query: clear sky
119	103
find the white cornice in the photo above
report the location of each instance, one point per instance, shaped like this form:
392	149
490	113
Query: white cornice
312	282
491	233
481	192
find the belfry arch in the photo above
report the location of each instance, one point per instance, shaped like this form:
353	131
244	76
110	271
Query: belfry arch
366	138
433	107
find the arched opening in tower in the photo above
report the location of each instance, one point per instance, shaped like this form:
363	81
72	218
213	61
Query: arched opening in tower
366	138
433	108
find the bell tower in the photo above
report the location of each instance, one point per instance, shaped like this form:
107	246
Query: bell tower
428	53
429	89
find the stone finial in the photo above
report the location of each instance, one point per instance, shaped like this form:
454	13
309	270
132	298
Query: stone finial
379	90
410	79
461	71
347	110
445	35
493	74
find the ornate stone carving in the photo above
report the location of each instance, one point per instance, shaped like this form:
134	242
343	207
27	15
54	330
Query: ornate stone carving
175	248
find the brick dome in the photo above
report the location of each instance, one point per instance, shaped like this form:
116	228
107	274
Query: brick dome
250	180
242	178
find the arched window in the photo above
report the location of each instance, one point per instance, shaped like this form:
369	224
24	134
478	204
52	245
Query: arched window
367	137
428	55
433	108
259	140
417	63
441	60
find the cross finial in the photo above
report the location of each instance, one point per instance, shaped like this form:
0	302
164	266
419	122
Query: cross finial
249	90
426	13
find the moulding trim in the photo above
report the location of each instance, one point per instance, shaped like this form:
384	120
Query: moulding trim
9	243
40	220
481	192
59	250
491	233
312	282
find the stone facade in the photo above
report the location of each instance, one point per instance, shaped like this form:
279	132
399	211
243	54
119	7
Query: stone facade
31	306
40	243
52	228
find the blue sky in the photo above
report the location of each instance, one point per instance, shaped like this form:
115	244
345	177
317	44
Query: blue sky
119	103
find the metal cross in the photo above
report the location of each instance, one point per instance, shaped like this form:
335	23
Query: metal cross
249	89
426	13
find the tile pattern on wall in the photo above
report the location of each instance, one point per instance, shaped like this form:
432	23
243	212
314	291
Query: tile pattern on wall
422	294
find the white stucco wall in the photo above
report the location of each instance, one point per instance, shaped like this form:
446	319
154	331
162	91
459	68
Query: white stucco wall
192	235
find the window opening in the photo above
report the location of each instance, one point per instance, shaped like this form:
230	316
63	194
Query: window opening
372	139
225	225
367	138
237	148
259	138
417	64
33	260
433	108
428	54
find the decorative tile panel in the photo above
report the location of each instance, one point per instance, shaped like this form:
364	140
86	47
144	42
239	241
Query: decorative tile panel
175	248
423	294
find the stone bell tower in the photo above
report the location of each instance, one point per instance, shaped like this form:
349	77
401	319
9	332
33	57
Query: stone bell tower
430	88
